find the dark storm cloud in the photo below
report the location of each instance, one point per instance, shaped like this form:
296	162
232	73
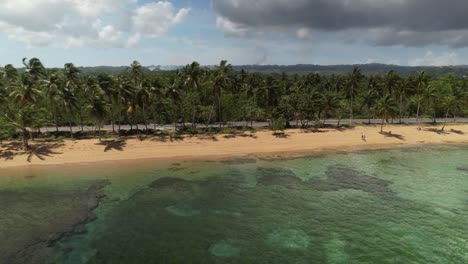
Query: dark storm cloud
385	22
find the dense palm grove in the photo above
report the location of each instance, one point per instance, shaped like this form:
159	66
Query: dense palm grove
38	97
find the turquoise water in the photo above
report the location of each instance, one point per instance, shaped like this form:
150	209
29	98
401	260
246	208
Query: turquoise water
390	206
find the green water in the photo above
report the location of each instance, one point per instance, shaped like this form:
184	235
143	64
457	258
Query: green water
392	206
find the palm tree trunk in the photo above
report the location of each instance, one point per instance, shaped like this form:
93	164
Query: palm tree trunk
71	129
112	117
401	107
98	129
144	117
120	118
368	115
381	126
445	121
193	113
55	120
417	111
81	120
352	99
25	139
220	118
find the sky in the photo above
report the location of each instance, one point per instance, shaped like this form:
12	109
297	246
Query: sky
177	32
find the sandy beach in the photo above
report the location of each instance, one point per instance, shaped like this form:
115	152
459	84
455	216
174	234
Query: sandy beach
259	143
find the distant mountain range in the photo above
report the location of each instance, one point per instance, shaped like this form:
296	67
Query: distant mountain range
368	69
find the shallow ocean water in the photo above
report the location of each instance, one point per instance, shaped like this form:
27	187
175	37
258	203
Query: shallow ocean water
390	206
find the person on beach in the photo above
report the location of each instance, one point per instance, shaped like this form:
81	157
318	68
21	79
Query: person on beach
363	137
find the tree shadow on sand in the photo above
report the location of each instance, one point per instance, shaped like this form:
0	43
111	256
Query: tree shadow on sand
459	132
436	130
393	135
10	150
40	150
314	130
112	145
280	134
239	134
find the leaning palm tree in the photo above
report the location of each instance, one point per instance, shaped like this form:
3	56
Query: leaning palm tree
451	103
386	108
34	68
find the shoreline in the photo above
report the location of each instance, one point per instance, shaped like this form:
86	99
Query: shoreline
260	144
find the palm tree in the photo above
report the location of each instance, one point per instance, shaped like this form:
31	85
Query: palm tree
402	92
329	103
34	68
430	97
370	96
22	119
220	80
52	91
123	95
421	84
106	83
193	74
391	81
10	73
25	91
354	80
451	103
143	95
386	108
135	73
173	92
98	109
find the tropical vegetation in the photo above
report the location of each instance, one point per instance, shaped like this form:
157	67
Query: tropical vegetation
34	97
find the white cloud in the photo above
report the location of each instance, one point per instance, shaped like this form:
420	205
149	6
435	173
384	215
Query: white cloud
432	59
230	28
76	23
154	19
